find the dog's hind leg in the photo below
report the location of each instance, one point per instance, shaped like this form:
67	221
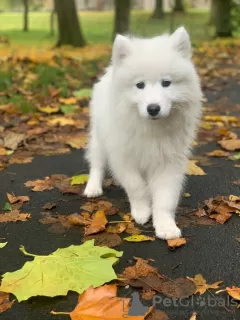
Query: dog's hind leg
97	159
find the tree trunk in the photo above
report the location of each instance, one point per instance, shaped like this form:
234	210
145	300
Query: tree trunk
122	16
222	17
99	5
25	15
179	7
69	26
52	16
158	12
213	12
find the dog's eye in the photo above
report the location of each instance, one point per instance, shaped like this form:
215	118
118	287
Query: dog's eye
140	85
166	83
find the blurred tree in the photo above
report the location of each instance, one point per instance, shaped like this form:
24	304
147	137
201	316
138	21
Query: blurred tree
99	5
222	17
122	16
70	32
25	15
52	20
158	12
179	7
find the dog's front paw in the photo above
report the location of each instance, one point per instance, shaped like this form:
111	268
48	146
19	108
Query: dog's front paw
92	191
141	214
168	231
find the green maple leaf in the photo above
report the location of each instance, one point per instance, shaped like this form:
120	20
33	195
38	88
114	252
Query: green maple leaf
75	268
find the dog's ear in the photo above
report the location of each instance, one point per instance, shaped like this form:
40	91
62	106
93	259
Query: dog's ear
180	41
121	48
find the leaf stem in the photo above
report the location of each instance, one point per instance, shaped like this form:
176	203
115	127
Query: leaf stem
60	313
120	221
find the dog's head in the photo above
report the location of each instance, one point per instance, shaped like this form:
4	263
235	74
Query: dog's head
155	75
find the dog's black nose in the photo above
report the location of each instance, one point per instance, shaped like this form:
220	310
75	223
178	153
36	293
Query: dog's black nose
153	109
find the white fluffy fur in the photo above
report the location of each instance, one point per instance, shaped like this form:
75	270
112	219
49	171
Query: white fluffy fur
147	157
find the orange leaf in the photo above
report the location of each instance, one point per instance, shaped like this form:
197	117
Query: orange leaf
97	224
102	303
13	216
174	243
5	304
13	199
230	145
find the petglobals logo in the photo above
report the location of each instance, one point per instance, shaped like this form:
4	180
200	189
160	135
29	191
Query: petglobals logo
197	301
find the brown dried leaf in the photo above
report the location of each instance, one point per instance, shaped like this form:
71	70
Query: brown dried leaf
118	228
97	205
202	285
14	216
230	145
105	239
218	153
13	199
40	185
97	224
13	139
5	304
49	205
175	243
157	315
78	220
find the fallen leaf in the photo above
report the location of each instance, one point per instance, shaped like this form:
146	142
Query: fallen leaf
49	109
237	165
218	153
97	205
80	179
216	118
157	315
193	316
238	239
14	216
237	182
13	139
7	207
5	304
118	228
3	244
132	229
187	195
148	294
21	160
40	185
202	285
194	170
68	101
83	93
139	238
49	205
97	223
175	243
230	145
93	263
234	198
103	303
78	141
67	109
78	220
105	239
13	199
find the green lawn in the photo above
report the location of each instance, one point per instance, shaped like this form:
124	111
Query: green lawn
98	27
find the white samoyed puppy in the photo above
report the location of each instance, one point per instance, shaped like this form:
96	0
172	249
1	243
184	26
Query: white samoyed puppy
144	113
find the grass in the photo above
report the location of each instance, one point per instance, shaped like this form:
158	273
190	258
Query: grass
97	27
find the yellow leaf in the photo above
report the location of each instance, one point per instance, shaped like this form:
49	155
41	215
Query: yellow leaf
194	316
187	195
48	109
139	238
80	179
175	243
202	285
234	292
218	153
234	198
194	170
68	100
220	118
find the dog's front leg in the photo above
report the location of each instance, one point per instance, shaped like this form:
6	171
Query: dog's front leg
137	191
165	188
